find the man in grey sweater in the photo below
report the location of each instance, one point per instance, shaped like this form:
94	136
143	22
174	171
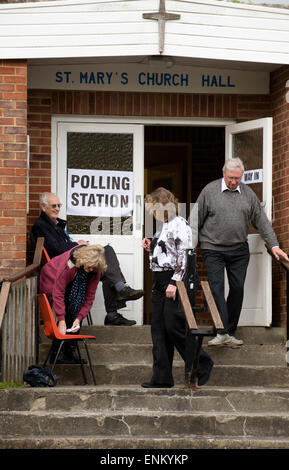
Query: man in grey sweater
225	209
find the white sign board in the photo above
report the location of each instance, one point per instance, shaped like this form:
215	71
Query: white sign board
99	193
252	176
140	78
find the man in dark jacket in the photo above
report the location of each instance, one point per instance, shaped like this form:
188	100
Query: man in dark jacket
56	241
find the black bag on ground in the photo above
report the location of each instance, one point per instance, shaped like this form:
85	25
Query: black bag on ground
39	377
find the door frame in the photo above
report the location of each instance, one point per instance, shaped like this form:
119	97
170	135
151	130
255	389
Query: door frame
201	122
250	314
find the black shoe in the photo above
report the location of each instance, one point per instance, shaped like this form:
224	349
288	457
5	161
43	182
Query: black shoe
154	385
204	375
118	320
127	293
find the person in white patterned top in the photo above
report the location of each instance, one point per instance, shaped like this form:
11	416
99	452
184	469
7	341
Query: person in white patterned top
167	252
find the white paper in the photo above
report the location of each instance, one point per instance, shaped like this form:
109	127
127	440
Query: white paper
252	176
99	193
75	328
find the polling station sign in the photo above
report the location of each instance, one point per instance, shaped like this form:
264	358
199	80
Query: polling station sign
99	193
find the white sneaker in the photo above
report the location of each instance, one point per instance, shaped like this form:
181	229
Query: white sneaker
220	340
235	341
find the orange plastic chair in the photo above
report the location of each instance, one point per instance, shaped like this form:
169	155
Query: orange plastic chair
52	332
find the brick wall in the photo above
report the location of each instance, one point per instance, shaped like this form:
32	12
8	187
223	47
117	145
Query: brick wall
13	164
280	110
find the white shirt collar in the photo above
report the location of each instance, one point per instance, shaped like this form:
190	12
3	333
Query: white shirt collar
224	187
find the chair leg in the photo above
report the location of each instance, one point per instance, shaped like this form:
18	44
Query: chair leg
89	362
57	354
48	356
81	365
89	319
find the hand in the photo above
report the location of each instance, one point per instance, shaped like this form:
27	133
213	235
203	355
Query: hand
171	292
277	252
62	327
146	244
76	323
83	242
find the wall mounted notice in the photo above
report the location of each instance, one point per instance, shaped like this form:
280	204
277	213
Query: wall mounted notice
253	176
99	193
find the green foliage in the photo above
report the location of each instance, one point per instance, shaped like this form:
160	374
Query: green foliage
11	385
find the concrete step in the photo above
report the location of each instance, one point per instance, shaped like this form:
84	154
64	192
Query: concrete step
143	443
272	354
245	404
134	418
141	334
123	355
209	424
135	374
135	398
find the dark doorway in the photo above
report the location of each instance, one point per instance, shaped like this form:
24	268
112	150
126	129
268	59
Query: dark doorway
183	159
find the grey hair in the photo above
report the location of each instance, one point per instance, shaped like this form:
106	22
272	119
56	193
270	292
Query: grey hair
233	164
43	198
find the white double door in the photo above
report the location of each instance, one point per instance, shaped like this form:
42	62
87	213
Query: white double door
86	144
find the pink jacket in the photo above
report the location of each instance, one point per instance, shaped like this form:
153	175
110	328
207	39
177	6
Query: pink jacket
55	277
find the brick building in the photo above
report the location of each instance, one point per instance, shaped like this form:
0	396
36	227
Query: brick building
162	92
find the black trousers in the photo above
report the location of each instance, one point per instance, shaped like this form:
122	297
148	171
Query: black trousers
236	263
69	346
168	330
111	276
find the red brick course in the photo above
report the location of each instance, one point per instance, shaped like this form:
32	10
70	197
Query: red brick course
13	165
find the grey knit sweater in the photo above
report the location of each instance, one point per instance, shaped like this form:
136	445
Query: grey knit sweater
224	217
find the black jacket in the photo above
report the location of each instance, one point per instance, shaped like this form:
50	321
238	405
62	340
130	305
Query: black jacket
56	240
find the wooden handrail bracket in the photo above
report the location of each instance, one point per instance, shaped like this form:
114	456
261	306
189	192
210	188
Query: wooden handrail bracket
38	250
23	274
212	305
218	324
3	299
187	306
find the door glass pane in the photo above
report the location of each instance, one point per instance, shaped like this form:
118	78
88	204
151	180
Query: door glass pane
99	151
248	146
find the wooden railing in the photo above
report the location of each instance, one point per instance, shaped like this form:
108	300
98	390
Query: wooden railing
19	320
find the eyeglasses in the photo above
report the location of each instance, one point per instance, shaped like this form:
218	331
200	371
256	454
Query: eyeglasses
55	205
234	178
